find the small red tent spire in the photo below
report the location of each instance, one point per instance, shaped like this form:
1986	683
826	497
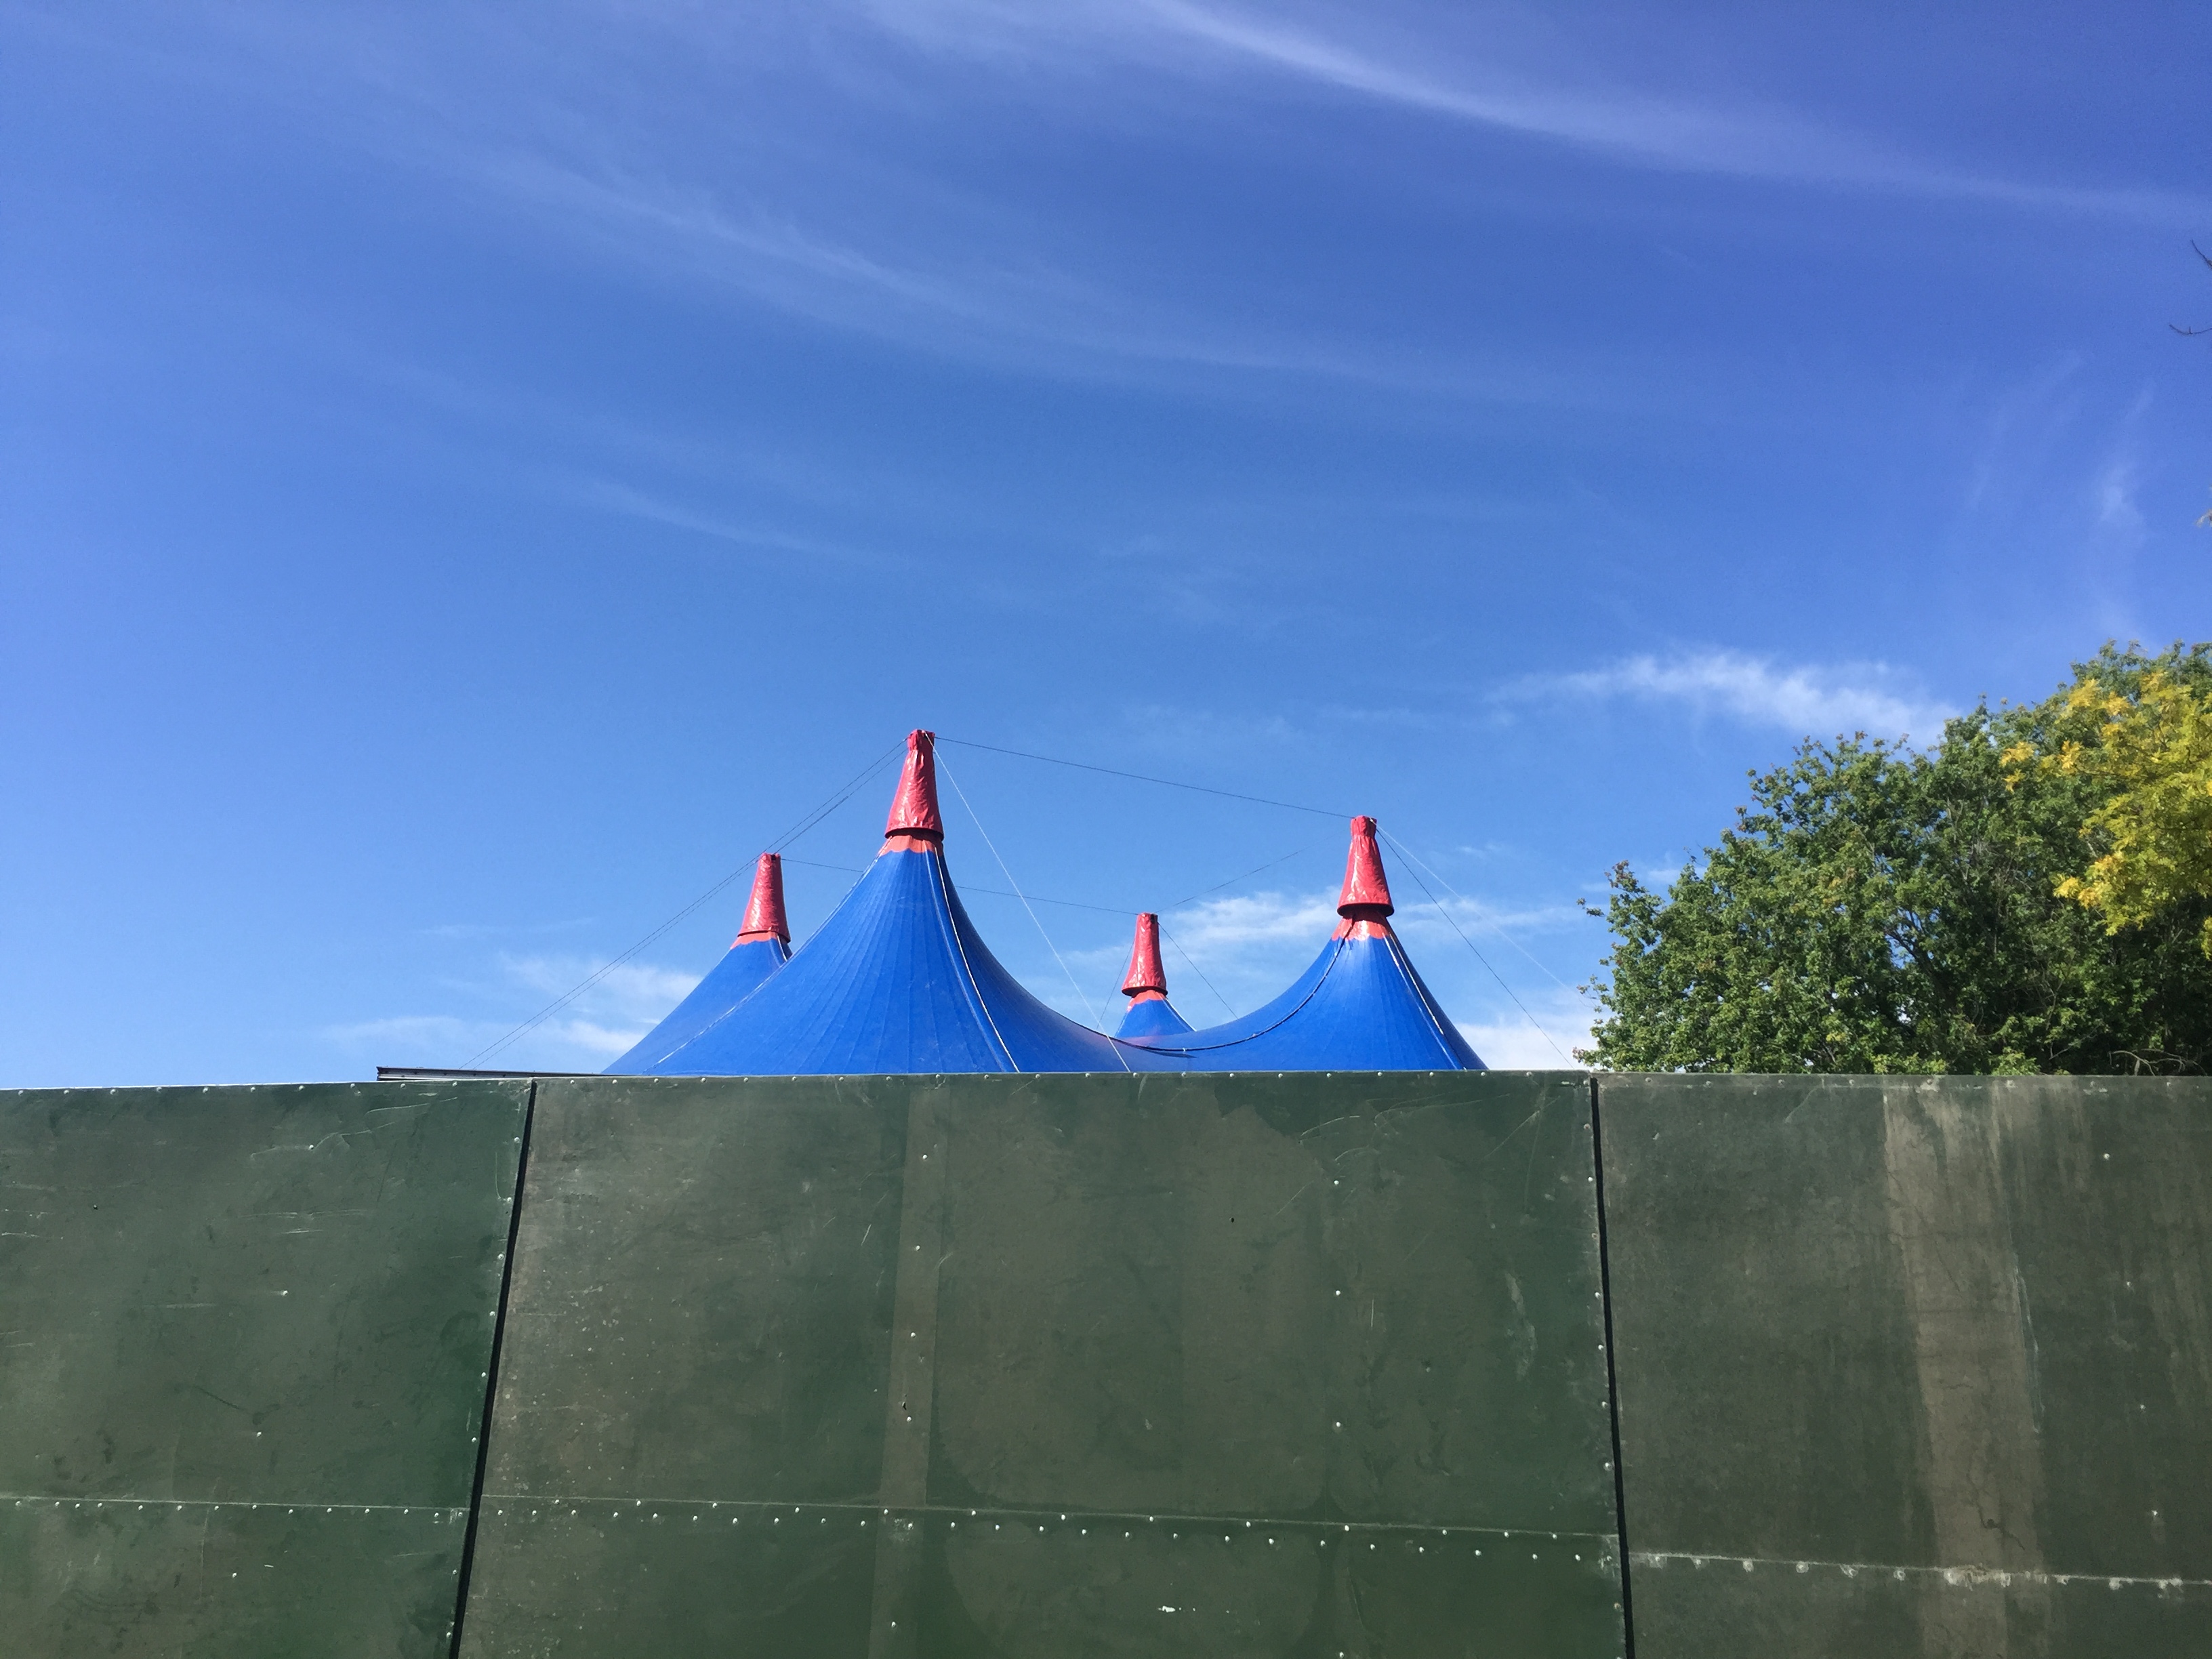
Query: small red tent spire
914	808
764	910
1146	981
1366	895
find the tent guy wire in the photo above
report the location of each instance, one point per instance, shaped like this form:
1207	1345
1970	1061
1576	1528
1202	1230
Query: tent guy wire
1414	871
1087	1006
1412	857
836	799
1140	777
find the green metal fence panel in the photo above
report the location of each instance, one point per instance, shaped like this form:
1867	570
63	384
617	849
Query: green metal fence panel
1913	1366
1304	1365
249	1333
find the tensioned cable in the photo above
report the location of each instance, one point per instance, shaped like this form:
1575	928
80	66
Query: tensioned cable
1169	783
1195	969
1072	904
1216	888
805	824
1412	857
1483	959
1016	886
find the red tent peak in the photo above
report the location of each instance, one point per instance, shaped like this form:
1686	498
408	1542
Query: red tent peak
914	808
764	910
1146	979
1366	895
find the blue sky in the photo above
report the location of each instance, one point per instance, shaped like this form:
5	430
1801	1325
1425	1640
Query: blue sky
474	475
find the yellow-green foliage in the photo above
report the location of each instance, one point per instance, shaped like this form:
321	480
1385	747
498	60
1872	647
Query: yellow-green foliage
2145	740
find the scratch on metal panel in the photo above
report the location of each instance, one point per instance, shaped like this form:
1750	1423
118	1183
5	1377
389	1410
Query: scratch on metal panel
1505	1139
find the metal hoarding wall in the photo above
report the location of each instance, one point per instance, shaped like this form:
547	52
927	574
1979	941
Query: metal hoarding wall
248	1336
1913	1366
1304	1365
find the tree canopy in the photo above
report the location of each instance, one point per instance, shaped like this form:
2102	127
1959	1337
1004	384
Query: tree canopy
2029	895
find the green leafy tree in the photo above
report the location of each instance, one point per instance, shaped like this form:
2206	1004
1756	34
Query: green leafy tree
1878	910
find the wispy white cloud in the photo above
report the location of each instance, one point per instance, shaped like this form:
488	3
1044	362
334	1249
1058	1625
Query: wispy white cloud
618	1009
1805	699
1543	1038
730	182
629	501
2116	497
1489	89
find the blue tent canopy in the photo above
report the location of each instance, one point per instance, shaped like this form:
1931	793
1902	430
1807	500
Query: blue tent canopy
728	982
897	980
1151	1017
762	946
1360	1007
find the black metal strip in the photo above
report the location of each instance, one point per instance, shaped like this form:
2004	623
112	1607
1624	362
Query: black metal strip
1612	1377
491	1376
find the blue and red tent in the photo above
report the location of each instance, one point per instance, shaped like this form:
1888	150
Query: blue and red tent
897	980
1149	1014
762	946
1360	1007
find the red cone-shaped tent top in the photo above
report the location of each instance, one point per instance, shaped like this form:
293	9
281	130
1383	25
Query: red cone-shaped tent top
1146	979
1366	893
764	910
914	808
1150	1013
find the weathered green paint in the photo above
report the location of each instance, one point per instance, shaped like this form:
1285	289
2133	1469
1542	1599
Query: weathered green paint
225	1581
254	1302
1946	1343
1349	1310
